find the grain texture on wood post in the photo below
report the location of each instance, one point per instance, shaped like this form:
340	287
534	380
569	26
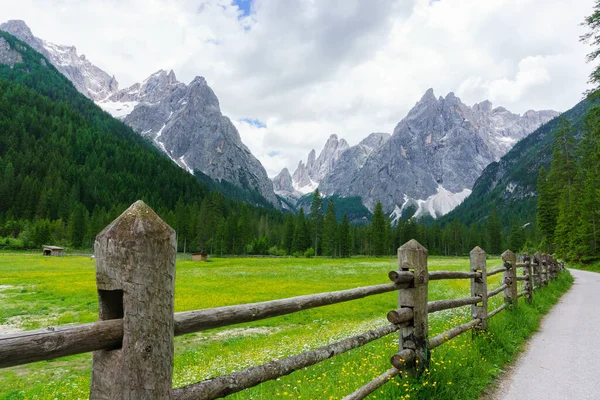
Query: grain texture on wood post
479	287
413	256
135	274
528	270
510	278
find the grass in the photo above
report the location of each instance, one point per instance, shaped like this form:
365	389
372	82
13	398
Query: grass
593	267
38	292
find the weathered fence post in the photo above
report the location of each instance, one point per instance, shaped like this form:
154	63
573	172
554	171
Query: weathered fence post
509	277
528	270
479	287
135	274
537	269
413	256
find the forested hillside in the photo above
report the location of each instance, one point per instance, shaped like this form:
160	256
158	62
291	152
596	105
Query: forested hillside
68	168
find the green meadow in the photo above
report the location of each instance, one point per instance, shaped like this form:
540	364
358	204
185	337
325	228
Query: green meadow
37	292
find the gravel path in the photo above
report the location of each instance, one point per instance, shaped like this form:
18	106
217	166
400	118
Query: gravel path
562	360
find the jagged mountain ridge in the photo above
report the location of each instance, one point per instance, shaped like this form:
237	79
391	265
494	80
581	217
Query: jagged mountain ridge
89	80
184	121
511	183
436	153
433	158
336	154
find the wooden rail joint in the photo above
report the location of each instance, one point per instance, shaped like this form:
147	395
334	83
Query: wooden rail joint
412	256
509	260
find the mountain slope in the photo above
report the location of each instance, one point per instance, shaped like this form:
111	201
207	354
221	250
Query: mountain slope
90	80
436	153
59	149
183	121
511	183
186	123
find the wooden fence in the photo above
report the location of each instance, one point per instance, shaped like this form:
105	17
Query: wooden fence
133	339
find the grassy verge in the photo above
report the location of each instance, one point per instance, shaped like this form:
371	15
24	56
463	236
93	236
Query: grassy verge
593	267
38	292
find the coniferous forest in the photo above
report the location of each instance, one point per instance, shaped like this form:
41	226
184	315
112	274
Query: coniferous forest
68	169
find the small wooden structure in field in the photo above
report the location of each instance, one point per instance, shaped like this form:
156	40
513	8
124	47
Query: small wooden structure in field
202	256
53	251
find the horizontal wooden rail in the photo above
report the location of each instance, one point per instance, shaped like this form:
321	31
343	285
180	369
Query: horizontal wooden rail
401	315
497	310
249	377
401	276
521	265
521	294
452	333
439	275
406	276
497	290
523	278
439	305
403	359
496	271
194	321
47	344
372	386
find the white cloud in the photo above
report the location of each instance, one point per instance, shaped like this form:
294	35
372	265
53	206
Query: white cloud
310	68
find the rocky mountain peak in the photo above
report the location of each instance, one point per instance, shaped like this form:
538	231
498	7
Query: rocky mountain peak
19	29
434	156
283	181
87	78
311	159
375	140
428	96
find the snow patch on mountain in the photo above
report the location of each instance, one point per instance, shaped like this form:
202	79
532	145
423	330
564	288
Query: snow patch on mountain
436	205
118	109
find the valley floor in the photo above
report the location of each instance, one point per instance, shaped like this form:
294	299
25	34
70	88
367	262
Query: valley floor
41	291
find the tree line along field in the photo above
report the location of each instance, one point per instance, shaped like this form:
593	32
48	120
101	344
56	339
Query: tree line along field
37	292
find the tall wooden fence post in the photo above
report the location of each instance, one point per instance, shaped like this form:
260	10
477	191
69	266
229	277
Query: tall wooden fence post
537	269
510	278
135	274
528	270
479	287
413	256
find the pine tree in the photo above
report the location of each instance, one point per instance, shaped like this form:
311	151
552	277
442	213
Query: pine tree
330	231
316	220
378	231
516	238
547	211
78	225
300	238
494	232
345	239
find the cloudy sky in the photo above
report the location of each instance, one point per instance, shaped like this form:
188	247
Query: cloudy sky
291	72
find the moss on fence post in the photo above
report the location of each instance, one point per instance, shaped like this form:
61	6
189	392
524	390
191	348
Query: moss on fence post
135	274
413	256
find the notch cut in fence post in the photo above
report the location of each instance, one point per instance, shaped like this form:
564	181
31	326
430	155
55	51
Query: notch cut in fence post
135	274
509	277
413	256
479	287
